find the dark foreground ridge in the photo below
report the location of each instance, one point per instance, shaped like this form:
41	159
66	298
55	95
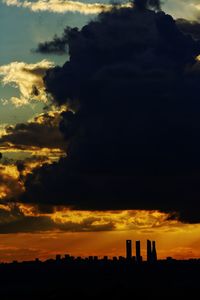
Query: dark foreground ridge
93	278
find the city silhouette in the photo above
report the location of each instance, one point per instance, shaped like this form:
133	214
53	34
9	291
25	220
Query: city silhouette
114	278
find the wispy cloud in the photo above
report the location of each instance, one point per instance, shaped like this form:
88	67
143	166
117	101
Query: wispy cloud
28	78
62	6
179	9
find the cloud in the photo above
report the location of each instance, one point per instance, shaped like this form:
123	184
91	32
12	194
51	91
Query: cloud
3	129
59	45
189	27
10	185
121	220
28	78
14	219
23	218
62	6
13	172
188	9
38	142
148	4
41	132
133	81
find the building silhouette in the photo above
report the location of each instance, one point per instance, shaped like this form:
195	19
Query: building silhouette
58	257
149	256
138	252
151	251
128	249
154	253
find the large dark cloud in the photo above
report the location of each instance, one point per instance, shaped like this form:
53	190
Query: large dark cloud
189	27
134	141
59	45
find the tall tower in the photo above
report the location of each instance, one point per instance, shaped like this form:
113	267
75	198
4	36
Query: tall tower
128	249
138	251
149	253
154	253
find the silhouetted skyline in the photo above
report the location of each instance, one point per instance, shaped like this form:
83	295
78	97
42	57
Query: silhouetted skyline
113	278
150	257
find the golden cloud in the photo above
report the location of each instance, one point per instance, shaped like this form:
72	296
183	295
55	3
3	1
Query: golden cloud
28	78
40	137
122	220
179	9
12	175
62	6
10	186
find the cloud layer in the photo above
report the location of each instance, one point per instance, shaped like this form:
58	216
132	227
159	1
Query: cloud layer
26	218
28	78
62	6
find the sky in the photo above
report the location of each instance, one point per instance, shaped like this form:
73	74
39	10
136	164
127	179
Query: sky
75	173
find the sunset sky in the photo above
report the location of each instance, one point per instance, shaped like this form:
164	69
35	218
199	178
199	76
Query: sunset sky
106	147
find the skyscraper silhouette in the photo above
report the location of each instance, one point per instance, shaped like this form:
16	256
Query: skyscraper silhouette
138	251
128	249
149	253
154	254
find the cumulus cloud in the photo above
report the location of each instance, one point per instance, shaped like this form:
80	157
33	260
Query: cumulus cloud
28	79
41	132
134	136
62	6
